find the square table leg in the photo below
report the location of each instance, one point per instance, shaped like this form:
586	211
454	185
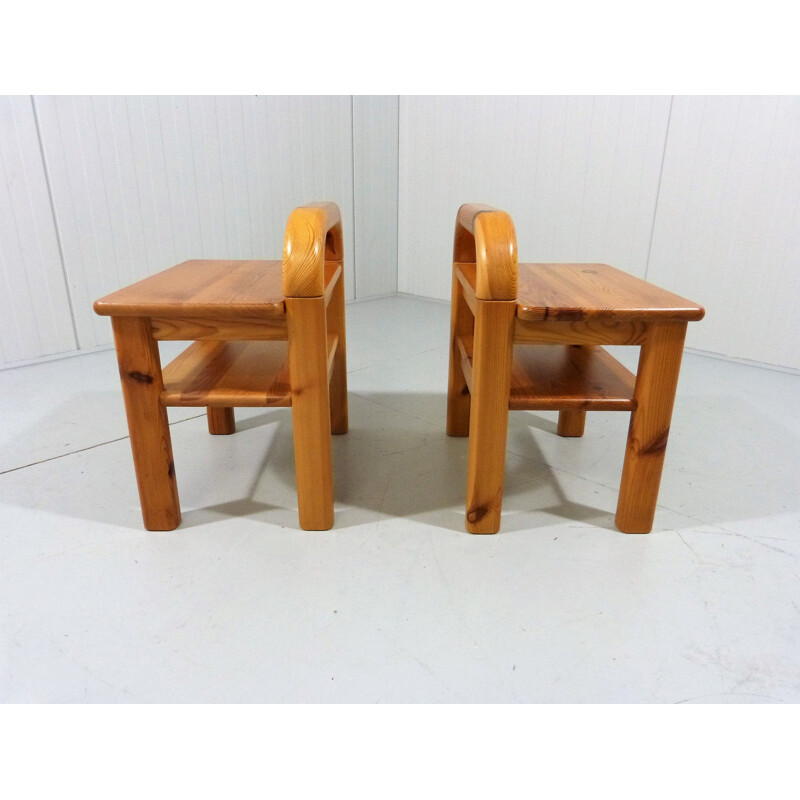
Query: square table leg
311	415
488	424
140	373
656	384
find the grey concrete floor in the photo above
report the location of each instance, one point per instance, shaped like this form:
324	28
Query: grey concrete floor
397	603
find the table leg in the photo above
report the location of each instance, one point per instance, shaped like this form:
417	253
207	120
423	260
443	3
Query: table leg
488	425
571	422
140	372
656	383
338	385
221	420
311	417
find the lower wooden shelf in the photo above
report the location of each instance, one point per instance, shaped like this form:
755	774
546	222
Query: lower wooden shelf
235	373
552	377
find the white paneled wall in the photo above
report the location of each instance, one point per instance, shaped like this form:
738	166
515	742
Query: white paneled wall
579	175
35	315
700	195
375	166
727	229
142	183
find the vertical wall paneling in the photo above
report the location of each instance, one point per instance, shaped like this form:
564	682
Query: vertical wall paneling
375	172
35	317
579	175
727	228
141	183
697	194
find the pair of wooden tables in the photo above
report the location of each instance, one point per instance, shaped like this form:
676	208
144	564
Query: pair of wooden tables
265	333
523	336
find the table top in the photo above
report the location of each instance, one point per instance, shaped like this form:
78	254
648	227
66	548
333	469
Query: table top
202	287
583	291
574	292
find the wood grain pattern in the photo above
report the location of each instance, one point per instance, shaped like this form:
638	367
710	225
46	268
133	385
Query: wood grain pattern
486	236
313	235
491	378
464	273
462	324
654	396
210	329
311	416
540	350
252	347
571	422
335	317
589	331
221	421
140	373
214	289
576	292
236	373
556	377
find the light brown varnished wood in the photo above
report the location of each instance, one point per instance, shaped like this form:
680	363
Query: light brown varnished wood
587	332
577	292
311	416
554	377
140	373
230	290
221	421
313	235
486	237
465	274
654	395
237	373
462	324
561	377
491	377
335	316
563	314
248	350
223	330
334	275
571	422
464	344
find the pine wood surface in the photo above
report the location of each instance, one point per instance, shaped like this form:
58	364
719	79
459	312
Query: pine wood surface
594	330
151	444
235	373
581	291
656	384
554	377
228	374
253	345
491	376
458	396
309	367
560	315
486	237
337	365
216	329
313	235
202	291
567	293
221	420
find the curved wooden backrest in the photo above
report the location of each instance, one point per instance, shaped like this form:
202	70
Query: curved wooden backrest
486	237
313	236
